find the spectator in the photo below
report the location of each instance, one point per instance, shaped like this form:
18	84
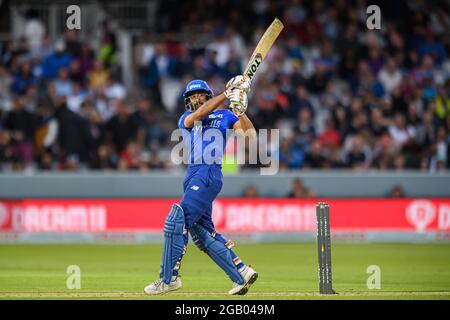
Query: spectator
330	137
75	73
76	98
98	77
314	159
432	47
390	76
397	192
108	47
72	44
299	101
23	80
63	85
356	158
20	123
59	59
74	138
290	156
442	103
120	129
400	131
299	190
34	31
250	191
114	89
86	60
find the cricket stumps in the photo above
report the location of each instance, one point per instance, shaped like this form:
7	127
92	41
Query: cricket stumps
324	248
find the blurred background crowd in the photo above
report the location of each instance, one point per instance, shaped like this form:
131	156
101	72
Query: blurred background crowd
343	96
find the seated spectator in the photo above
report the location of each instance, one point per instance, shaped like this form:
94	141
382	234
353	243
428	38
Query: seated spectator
98	76
250	191
390	76
306	127
356	158
290	156
299	190
315	159
74	137
63	85
378	124
114	89
330	137
72	44
75	73
120	129
442	103
76	98
132	157
86	60
20	124
23	80
397	192
400	132
299	101
105	158
59	59
432	47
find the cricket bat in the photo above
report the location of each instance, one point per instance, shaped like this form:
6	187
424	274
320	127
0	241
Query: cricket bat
265	43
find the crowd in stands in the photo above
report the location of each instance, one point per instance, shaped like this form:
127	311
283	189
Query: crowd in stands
342	96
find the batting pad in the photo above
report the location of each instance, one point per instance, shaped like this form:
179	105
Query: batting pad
173	242
217	251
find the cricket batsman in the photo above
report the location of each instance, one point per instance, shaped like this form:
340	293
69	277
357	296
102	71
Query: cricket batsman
202	184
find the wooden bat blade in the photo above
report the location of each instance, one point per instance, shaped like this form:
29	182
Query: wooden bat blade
265	43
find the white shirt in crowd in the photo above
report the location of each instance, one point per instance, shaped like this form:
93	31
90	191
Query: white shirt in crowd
390	80
400	136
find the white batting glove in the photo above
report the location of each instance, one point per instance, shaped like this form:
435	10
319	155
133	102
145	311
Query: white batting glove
238	101
239	82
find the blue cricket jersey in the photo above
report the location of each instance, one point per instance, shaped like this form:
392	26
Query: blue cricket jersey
206	142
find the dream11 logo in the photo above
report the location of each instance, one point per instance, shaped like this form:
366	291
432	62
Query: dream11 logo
422	213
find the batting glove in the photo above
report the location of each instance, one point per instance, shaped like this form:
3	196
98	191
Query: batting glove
239	82
238	101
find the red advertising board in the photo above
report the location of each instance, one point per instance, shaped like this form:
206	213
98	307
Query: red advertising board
229	215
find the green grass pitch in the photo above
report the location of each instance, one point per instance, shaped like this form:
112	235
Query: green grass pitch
286	271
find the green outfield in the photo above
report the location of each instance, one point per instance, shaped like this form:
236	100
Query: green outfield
286	271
